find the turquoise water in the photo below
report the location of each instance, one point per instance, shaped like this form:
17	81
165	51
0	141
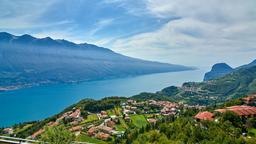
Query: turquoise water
43	101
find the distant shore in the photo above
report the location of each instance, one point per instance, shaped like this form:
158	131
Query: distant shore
47	82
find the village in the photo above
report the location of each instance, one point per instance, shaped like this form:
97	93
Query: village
244	111
113	122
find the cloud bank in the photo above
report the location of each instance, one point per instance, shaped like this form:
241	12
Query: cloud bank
192	32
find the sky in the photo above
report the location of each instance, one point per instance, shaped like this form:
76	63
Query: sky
189	32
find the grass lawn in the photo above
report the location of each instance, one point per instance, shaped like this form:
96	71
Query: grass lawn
23	128
138	120
148	115
253	131
85	138
90	118
119	127
111	112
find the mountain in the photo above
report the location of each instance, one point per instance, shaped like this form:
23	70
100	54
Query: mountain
253	63
221	69
218	70
234	85
28	61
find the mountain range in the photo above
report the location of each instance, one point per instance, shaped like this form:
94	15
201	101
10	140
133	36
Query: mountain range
221	69
27	61
236	84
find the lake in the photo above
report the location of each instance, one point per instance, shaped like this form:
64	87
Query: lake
39	102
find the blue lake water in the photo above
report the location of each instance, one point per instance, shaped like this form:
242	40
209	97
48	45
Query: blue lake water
43	101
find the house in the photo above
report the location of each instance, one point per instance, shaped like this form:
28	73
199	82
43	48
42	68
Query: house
250	99
51	124
76	128
92	131
33	136
131	101
110	123
204	116
102	136
151	120
127	119
105	129
242	111
8	131
103	114
76	113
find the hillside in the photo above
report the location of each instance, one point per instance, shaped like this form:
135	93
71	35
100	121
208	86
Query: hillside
121	119
220	69
28	61
233	85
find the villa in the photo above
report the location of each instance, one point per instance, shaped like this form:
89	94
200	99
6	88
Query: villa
204	116
242	111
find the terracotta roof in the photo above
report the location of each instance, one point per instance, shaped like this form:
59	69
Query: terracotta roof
37	133
105	128
102	136
240	110
103	113
205	115
151	120
75	114
76	128
110	123
252	97
91	131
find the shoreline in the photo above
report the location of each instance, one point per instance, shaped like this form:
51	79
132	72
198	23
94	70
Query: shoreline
45	83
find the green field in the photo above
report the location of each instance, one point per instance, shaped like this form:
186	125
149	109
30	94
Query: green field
253	131
90	118
119	127
85	138
138	120
23	128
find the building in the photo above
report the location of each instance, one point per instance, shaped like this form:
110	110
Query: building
204	116
151	120
102	136
39	132
8	131
243	110
250	99
92	131
131	101
76	128
110	123
105	129
76	113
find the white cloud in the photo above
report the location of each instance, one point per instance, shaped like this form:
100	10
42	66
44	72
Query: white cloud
18	14
207	32
100	25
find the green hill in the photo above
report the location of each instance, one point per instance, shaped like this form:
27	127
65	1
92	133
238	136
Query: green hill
233	85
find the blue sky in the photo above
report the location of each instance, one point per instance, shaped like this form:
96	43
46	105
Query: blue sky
190	32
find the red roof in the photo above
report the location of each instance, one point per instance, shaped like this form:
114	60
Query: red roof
205	115
240	110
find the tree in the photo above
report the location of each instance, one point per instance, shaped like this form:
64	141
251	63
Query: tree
233	118
57	135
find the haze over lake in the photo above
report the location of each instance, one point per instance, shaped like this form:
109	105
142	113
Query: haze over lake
43	101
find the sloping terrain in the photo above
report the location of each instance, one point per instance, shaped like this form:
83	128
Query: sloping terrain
26	61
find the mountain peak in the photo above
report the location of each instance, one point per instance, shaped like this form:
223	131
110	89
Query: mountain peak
218	70
221	66
26	38
5	37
